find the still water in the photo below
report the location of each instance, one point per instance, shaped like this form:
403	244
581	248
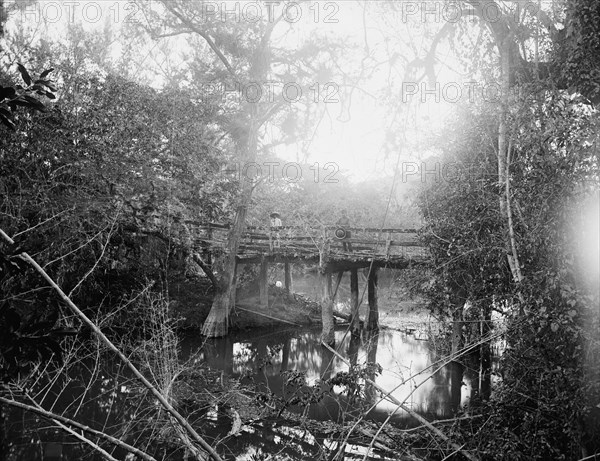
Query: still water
99	391
409	369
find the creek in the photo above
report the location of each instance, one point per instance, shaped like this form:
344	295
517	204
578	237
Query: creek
98	391
406	361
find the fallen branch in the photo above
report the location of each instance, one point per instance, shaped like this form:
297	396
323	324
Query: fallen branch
376	441
268	316
342	315
166	405
375	437
87	441
443	421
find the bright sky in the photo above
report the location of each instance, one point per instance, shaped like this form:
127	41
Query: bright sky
352	134
353	131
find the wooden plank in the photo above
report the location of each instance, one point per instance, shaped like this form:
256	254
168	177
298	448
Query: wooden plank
303	241
383	243
226	226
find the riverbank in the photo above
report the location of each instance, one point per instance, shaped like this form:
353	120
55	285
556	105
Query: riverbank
190	302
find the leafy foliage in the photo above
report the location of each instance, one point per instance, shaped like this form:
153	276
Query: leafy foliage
12	97
578	54
84	186
540	409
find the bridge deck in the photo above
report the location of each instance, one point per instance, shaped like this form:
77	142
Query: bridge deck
383	247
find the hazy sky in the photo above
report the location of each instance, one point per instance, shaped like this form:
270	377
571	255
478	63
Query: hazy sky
352	132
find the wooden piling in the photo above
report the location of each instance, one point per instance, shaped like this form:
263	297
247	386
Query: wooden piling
328	332
373	318
354	320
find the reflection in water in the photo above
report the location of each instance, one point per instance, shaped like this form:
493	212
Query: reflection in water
405	363
100	393
97	393
371	343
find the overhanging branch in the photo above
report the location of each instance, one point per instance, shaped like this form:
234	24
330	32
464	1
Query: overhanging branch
194	28
206	268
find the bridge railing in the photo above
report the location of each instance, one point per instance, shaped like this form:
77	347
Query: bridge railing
306	241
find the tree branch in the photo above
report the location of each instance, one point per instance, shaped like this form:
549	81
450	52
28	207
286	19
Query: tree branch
518	276
163	401
206	268
171	34
59	418
194	28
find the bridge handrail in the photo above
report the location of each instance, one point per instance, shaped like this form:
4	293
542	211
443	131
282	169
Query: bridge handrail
225	226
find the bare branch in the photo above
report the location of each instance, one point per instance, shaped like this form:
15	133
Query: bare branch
87	274
387	395
166	405
36	408
171	34
29	229
194	28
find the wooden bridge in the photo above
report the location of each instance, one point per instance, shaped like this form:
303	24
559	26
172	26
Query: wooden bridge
366	247
393	248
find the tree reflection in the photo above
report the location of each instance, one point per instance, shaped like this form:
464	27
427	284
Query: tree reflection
353	347
327	358
400	355
456	377
371	342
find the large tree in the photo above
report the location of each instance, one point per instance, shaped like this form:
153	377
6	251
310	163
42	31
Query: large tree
243	57
505	232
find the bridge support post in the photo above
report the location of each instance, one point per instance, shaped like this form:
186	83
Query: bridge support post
337	284
328	332
354	318
263	283
373	319
288	277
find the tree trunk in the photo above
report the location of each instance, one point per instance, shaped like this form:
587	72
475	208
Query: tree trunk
355	320
244	130
504	161
456	377
328	332
373	320
289	283
485	354
3	433
457	324
217	322
263	283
